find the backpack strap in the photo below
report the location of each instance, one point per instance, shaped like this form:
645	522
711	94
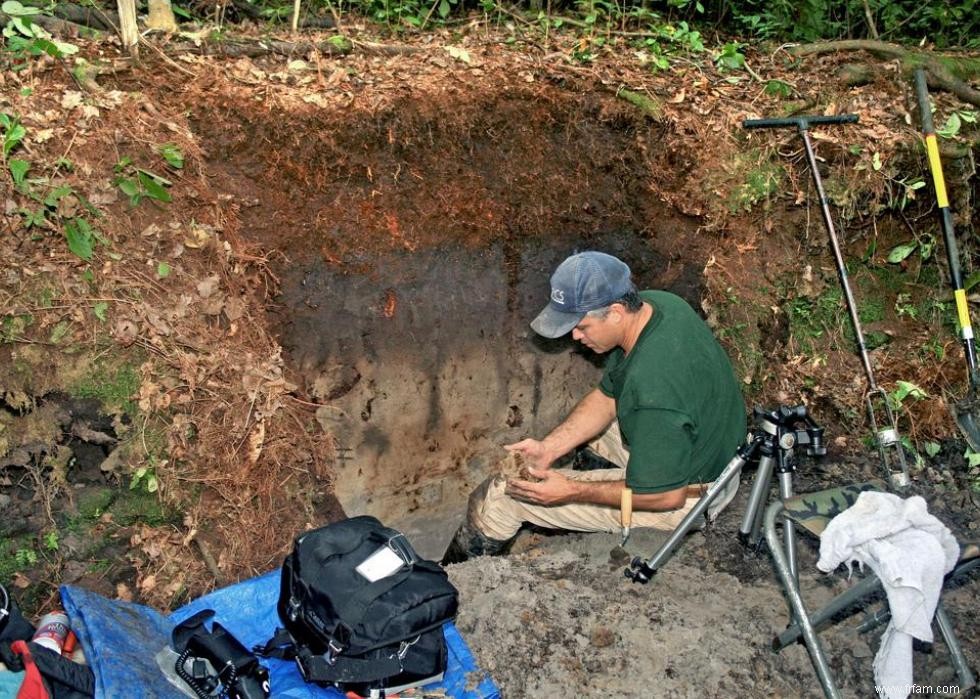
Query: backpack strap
319	668
282	645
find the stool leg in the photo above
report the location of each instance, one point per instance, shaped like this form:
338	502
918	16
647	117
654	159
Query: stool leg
841	602
956	656
795	600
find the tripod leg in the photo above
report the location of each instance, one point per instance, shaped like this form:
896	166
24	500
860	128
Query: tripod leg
693	517
750	531
789	529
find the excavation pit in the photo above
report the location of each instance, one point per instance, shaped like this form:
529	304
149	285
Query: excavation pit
416	245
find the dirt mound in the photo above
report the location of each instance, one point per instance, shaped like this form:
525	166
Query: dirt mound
561	617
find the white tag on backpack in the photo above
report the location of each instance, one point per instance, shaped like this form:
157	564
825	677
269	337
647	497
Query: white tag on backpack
380	564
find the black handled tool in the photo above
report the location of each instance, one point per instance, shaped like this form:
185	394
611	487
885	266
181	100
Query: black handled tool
888	440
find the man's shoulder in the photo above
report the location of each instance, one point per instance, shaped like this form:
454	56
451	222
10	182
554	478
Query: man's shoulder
667	299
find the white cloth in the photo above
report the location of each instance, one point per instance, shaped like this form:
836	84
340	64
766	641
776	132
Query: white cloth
910	551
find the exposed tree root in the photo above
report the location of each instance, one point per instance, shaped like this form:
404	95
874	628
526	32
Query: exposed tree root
944	72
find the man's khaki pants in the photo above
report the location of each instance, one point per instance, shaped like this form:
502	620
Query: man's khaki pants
499	516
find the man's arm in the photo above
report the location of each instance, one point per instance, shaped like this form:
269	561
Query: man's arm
594	413
556	489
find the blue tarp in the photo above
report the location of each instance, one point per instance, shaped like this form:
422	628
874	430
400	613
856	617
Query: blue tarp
120	640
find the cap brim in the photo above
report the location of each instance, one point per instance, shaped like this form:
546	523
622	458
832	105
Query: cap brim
552	324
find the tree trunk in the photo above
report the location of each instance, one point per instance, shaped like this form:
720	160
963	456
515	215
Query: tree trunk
161	17
128	31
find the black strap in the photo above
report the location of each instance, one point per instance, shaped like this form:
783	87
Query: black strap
183	631
316	668
282	645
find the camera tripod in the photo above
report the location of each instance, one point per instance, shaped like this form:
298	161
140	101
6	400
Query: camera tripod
775	436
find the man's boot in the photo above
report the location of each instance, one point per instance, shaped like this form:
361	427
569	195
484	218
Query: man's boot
585	459
470	542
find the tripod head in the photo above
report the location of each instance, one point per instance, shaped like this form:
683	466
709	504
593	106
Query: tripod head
778	427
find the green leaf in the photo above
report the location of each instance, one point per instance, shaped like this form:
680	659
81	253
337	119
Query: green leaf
153	188
900	252
18	170
33	218
876	161
14	135
777	88
79	235
951	127
99	309
972	457
906	389
26	28
444	8
152	485
129	187
15	9
59	331
971	281
56	194
172	154
64	49
163	270
52	48
932	448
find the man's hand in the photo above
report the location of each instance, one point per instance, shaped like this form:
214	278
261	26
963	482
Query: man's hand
534	451
554	488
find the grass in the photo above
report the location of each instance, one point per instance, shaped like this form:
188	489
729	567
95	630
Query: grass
139	507
761	181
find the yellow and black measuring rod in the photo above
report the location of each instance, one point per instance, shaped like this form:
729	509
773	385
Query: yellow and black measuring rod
966	411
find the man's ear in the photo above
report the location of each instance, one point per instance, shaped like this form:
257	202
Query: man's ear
617	312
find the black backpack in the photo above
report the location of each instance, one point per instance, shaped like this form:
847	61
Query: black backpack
361	610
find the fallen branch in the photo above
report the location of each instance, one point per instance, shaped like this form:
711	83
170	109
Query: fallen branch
250	48
944	72
220	579
86	15
388	49
58	27
649	106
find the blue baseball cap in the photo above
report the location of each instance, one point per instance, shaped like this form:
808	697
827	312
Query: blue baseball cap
582	283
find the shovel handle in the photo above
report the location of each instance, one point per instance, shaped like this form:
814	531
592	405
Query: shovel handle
929	133
800	122
949	234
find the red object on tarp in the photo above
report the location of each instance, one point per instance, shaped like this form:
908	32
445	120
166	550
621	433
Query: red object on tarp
33	686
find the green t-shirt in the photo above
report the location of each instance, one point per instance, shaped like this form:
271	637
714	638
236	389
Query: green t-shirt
678	403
